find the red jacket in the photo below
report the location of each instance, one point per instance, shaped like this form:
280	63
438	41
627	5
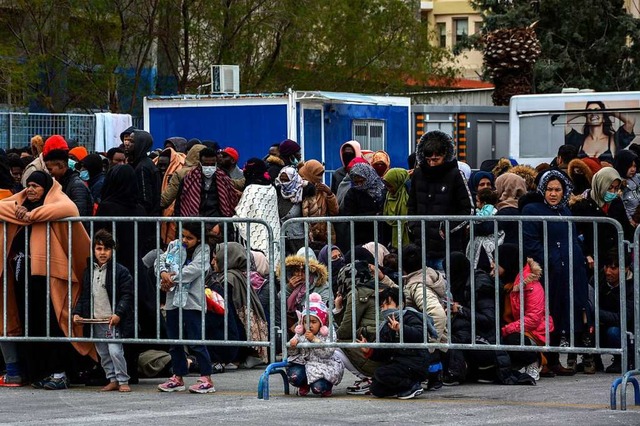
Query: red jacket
534	316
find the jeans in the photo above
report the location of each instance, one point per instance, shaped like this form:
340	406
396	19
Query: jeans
191	330
111	356
612	338
298	377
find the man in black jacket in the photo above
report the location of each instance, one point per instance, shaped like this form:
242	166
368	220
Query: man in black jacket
403	369
57	162
147	175
438	188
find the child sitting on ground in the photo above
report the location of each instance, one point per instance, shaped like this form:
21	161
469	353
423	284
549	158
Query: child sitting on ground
184	286
120	319
318	369
404	369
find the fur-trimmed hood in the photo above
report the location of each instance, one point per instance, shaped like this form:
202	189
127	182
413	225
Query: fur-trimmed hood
272	159
315	268
526	172
578	167
503	166
532	272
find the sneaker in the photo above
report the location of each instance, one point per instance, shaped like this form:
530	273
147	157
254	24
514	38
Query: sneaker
174	384
435	381
572	364
533	370
360	387
450	380
217	368
203	385
616	366
57	384
39	384
230	366
8	381
326	393
304	390
416	390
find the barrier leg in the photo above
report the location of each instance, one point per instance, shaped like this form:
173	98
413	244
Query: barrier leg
263	384
628	377
614	388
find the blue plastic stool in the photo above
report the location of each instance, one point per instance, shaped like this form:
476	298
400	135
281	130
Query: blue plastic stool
628	377
263	384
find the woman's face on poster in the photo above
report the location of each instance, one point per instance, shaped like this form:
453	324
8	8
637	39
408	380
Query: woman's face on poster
594	118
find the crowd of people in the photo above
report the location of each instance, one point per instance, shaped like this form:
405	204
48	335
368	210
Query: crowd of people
341	277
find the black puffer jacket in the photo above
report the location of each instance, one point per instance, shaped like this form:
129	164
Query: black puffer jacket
438	190
78	192
124	297
147	175
485	311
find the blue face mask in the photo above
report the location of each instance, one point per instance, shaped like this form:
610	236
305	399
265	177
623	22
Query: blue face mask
610	196
72	164
84	175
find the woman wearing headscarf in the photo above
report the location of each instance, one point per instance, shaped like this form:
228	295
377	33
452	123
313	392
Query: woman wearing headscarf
554	190
480	180
92	173
292	189
380	162
120	199
27	215
602	200
321	204
510	187
365	198
259	201
337	261
395	203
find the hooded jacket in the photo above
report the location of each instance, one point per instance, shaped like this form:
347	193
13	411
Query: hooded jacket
438	190
179	143
580	174
318	276
339	174
170	193
631	188
127	131
147	175
534	302
435	289
78	192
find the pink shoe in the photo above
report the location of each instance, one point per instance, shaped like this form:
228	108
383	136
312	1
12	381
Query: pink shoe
304	390
203	385
174	384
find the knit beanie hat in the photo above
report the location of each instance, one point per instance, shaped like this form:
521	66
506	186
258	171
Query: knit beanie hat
54	142
79	152
315	308
288	148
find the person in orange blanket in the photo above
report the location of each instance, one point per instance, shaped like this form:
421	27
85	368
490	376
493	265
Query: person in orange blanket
27	215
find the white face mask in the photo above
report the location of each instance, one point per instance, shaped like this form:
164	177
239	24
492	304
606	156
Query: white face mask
208	171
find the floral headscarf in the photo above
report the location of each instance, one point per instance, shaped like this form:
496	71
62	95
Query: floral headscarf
567	187
291	190
372	185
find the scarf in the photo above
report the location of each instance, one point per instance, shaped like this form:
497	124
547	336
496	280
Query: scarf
510	188
228	197
396	204
191	193
373	183
567	187
291	190
601	182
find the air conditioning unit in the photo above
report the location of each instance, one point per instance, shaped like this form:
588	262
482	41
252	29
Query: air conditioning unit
225	79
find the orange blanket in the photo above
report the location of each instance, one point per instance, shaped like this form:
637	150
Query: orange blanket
56	206
176	162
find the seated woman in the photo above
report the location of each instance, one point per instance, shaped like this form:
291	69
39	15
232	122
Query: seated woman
532	313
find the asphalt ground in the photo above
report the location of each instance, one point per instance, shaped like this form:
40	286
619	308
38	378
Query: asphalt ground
580	399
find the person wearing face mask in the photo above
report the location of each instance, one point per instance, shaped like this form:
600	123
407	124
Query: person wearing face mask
206	190
93	174
348	151
289	154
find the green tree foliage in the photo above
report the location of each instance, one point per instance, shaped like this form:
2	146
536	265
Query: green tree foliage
585	44
64	54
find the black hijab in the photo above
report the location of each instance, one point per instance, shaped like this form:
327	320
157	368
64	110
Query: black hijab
44	180
120	186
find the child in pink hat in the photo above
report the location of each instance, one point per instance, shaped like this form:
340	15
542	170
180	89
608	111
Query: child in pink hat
313	369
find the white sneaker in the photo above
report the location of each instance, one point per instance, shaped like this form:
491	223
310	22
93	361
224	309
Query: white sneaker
533	370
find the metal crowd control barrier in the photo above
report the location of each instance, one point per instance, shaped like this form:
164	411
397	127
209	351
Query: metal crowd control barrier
446	224
630	376
59	238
